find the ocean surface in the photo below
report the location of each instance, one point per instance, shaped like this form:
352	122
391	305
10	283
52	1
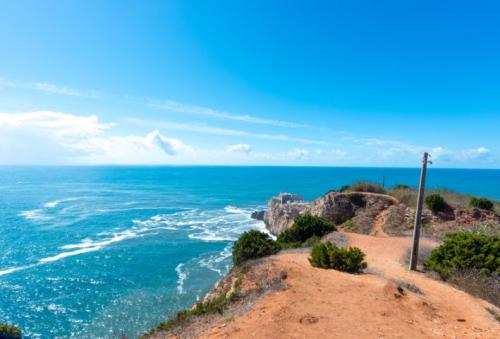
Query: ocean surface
105	252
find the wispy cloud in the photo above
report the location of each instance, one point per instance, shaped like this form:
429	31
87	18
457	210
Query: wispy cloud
239	148
62	90
299	153
460	155
48	88
6	83
174	106
220	131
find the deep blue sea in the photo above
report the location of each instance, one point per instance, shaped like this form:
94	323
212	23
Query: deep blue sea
104	252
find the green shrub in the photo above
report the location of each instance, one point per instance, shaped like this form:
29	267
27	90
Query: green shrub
401	187
312	241
344	188
435	202
9	332
253	244
362	186
466	250
305	227
482	203
214	305
328	255
357	199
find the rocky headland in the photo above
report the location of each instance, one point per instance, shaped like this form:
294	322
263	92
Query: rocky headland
368	213
283	296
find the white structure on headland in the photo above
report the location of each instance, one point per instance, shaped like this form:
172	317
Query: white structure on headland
285	198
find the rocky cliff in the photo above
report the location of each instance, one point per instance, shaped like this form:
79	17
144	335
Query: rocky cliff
334	206
363	212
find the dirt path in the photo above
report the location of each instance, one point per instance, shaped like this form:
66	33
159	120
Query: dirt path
330	304
378	224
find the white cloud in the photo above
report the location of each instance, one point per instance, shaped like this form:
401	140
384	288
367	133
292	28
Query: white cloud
338	153
174	106
461	155
6	83
61	90
438	152
240	148
476	153
220	131
54	137
48	88
299	153
54	124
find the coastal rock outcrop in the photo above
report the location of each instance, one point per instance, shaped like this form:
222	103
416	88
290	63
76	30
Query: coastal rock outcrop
334	206
282	210
360	212
258	215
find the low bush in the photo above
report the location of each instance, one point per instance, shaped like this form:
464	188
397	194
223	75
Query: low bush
253	244
363	186
481	203
435	202
463	251
401	187
357	199
312	241
215	305
344	188
328	255
305	227
9	332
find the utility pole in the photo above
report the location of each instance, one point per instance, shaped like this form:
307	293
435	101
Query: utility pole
418	215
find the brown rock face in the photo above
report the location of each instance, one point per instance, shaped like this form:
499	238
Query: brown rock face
334	206
279	216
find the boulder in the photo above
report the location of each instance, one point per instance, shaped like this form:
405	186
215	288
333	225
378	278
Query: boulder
258	215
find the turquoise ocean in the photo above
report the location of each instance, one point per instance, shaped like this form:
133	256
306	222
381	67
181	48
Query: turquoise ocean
105	252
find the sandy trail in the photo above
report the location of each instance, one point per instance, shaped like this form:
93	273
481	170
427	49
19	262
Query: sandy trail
330	304
378	225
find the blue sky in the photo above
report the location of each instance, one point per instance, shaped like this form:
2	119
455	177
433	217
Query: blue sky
334	83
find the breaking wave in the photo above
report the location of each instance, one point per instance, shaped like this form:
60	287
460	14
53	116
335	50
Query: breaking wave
206	225
181	278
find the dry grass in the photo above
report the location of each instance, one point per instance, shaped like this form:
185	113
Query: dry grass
399	221
493	313
484	228
408	196
423	253
409	286
472	282
363	186
339	239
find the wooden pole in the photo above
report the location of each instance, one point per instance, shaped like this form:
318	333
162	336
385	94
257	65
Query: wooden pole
418	215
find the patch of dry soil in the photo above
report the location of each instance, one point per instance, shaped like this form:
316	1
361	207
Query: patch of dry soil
322	303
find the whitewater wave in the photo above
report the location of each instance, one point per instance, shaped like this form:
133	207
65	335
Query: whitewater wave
86	246
35	215
181	278
206	225
217	262
15	269
234	209
88	243
55	203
